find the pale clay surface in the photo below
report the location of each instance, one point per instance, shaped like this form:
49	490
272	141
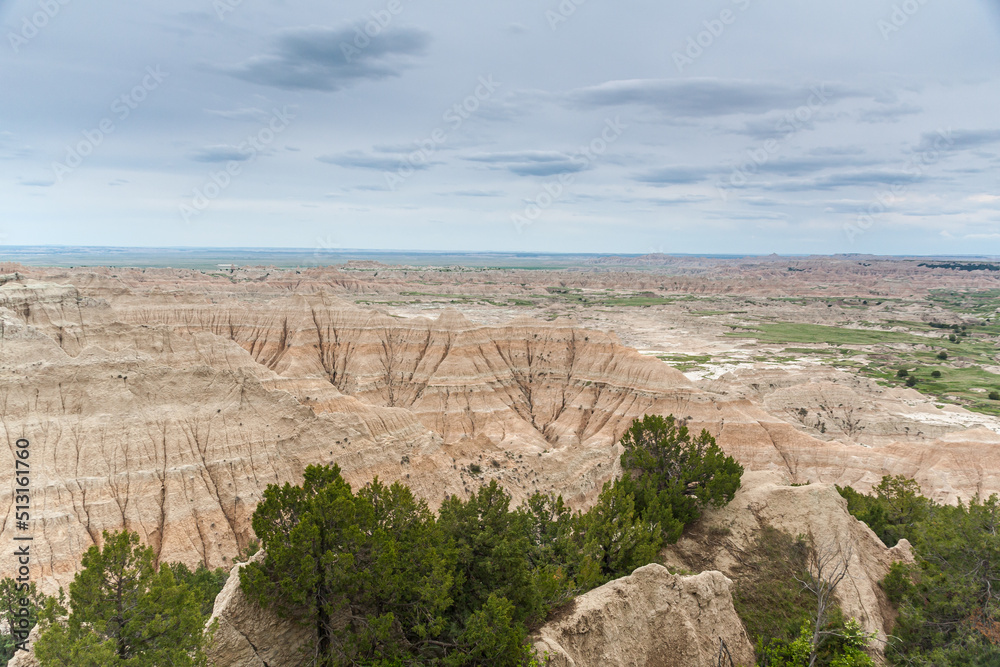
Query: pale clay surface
165	401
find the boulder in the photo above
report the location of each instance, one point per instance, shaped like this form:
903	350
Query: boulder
651	618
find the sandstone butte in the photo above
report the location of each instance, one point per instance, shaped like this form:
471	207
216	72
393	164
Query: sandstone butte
167	408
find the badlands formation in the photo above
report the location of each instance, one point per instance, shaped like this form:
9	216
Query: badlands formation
165	401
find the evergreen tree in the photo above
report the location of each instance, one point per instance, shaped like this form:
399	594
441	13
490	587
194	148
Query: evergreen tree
673	475
371	572
123	612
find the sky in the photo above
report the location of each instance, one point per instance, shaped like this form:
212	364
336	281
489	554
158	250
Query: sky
716	126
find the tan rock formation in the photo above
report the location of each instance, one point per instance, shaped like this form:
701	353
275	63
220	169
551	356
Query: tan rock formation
817	511
245	635
26	658
652	618
155	406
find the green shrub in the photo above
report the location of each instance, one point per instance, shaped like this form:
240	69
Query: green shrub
995	395
462	587
672	475
942	355
897	583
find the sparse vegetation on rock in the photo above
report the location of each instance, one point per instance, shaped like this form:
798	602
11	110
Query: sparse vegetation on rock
949	600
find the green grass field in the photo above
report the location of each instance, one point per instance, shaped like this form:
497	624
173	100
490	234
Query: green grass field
881	354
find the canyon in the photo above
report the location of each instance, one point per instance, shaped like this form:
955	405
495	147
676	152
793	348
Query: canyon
165	401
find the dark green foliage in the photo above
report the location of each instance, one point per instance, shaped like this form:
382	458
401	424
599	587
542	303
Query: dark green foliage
892	511
845	648
942	355
123	612
911	381
768	595
949	601
994	395
902	373
935	374
385	582
615	537
554	551
673	475
203	582
372	572
778	611
491	543
897	584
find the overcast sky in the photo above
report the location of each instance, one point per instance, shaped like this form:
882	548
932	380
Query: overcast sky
720	126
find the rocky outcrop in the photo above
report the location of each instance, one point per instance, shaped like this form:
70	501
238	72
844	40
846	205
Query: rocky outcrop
652	618
816	511
26	658
246	635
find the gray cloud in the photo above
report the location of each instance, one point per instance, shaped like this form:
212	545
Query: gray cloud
958	140
361	160
220	154
247	114
328	59
706	97
532	163
474	193
676	175
864	178
888	114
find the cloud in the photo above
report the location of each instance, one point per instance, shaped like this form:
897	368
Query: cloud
675	201
532	163
953	141
676	175
328	59
362	160
862	178
221	154
888	114
707	97
811	165
250	113
474	193
37	183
